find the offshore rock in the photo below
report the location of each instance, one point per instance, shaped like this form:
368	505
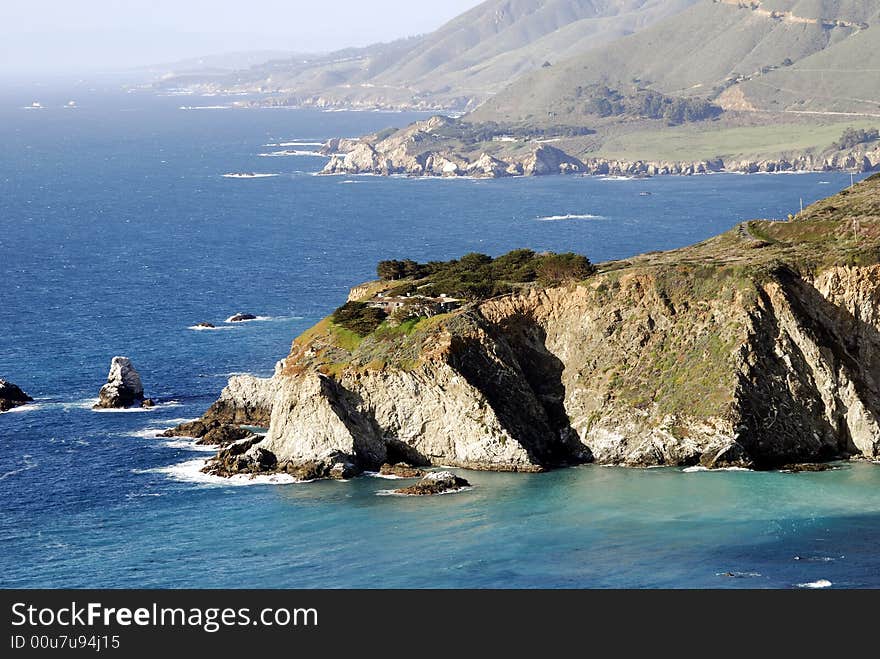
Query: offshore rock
11	396
438	482
401	470
123	387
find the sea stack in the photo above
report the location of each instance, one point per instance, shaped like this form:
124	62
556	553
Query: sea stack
11	396
123	387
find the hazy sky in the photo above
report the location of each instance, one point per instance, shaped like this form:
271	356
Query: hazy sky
81	35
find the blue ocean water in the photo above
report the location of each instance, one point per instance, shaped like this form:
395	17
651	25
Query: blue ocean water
118	232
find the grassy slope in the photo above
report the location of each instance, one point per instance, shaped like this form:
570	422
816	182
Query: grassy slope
845	78
695	51
708	141
476	53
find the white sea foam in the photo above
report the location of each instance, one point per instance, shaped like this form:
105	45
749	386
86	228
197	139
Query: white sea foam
132	410
146	433
190	444
205	107
390	477
294	143
28	464
83	404
288	153
27	407
821	583
617	178
698	469
392	493
251	320
248	175
191	472
196	328
817	559
738	575
48	403
570	216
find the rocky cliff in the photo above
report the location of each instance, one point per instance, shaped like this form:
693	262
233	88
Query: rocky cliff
445	147
759	348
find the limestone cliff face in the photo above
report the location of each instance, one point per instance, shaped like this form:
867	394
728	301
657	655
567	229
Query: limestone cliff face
757	348
626	373
246	400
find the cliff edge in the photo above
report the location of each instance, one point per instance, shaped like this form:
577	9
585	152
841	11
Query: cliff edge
759	348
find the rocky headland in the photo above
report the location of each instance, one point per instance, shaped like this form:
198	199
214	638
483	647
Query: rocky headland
123	388
12	396
758	348
427	148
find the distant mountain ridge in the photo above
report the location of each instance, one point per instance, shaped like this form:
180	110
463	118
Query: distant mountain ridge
725	85
747	55
457	66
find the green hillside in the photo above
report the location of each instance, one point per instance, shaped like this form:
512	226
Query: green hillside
745	55
456	66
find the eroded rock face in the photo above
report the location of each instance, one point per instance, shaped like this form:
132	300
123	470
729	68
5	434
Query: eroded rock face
123	387
11	396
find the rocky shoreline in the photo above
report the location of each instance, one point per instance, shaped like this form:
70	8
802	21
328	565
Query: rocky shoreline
546	160
409	152
756	349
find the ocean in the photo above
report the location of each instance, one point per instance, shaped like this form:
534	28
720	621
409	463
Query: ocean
119	232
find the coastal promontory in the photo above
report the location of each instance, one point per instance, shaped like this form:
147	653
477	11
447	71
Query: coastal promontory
757	348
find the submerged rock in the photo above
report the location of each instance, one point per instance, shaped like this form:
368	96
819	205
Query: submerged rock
123	387
438	482
223	434
807	467
240	318
236	459
11	396
206	326
402	470
210	433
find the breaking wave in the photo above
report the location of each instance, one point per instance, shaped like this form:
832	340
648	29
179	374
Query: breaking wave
570	216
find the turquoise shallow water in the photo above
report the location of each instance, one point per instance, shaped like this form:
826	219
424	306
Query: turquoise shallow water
118	232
